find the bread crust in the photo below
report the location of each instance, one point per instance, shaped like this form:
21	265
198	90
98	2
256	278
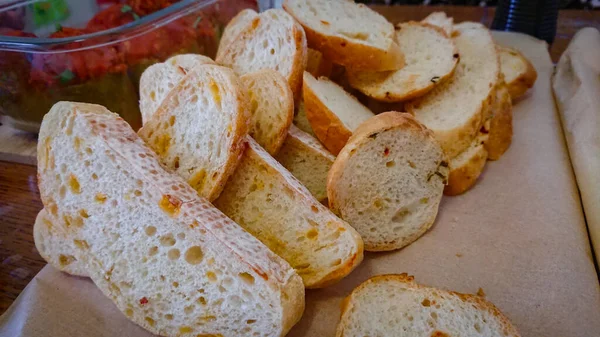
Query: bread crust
462	178
233	29
501	129
519	86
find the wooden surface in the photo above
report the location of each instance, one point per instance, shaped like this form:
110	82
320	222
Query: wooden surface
16	146
19	197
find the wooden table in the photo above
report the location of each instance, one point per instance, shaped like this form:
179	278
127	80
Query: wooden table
19	196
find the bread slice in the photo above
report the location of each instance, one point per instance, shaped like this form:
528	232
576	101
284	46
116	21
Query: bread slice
54	248
501	129
273	40
205	113
307	160
332	112
159	79
169	260
441	20
265	199
271	107
430	57
234	28
519	73
317	65
467	166
300	119
349	34
454	110
395	305
387	181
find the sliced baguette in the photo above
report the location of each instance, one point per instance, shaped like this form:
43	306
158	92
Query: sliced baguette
387	181
317	65
332	113
273	40
454	110
265	199
234	28
54	248
307	160
430	57
440	19
501	130
300	119
167	258
206	113
395	305
188	61
271	107
349	34
519	73
467	166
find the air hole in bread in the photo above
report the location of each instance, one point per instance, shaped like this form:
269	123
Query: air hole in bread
247	278
81	244
390	163
194	255
153	250
251	321
211	276
188	309
201	300
312	234
426	302
65	260
314	209
153	96
149	320
337	262
150	230
173	254
400	215
83	213
167	240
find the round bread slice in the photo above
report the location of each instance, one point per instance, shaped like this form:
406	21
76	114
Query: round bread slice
430	58
347	33
234	28
271	107
387	182
395	305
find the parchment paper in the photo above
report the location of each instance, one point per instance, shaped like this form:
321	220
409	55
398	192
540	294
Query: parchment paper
519	234
576	87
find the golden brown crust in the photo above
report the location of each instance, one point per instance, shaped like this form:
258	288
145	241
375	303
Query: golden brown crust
500	131
343	271
523	82
317	65
464	177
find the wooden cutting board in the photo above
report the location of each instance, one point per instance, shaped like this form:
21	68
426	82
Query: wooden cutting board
17	146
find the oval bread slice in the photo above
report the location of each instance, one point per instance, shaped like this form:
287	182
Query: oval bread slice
273	40
454	110
234	28
207	113
389	304
332	112
347	33
169	260
519	73
430	57
387	182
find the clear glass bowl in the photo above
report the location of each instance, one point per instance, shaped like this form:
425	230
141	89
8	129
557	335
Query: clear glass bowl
96	50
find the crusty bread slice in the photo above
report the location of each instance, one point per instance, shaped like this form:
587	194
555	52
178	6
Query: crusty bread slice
271	107
273	40
317	65
467	166
265	199
349	34
54	248
332	112
387	181
205	113
501	130
430	57
159	79
395	305
234	28
307	160
454	110
441	20
300	119
167	258
519	73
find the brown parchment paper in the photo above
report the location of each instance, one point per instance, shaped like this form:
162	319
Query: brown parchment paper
576	85
519	234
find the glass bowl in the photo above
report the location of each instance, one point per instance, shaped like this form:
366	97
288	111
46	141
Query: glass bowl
96	50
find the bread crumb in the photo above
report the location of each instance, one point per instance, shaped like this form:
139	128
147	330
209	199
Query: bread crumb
480	292
459	255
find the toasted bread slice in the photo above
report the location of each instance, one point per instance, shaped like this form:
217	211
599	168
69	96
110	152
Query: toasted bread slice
307	160
467	166
206	113
395	305
169	260
273	40
300	119
265	199
271	107
332	112
440	19
54	248
430	57
317	64
454	110
519	73
234	28
349	34
387	181
501	130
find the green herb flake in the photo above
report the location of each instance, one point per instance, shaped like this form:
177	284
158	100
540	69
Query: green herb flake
136	17
58	27
435	79
66	76
126	9
197	22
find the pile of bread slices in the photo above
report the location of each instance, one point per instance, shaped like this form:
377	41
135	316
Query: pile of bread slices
211	220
